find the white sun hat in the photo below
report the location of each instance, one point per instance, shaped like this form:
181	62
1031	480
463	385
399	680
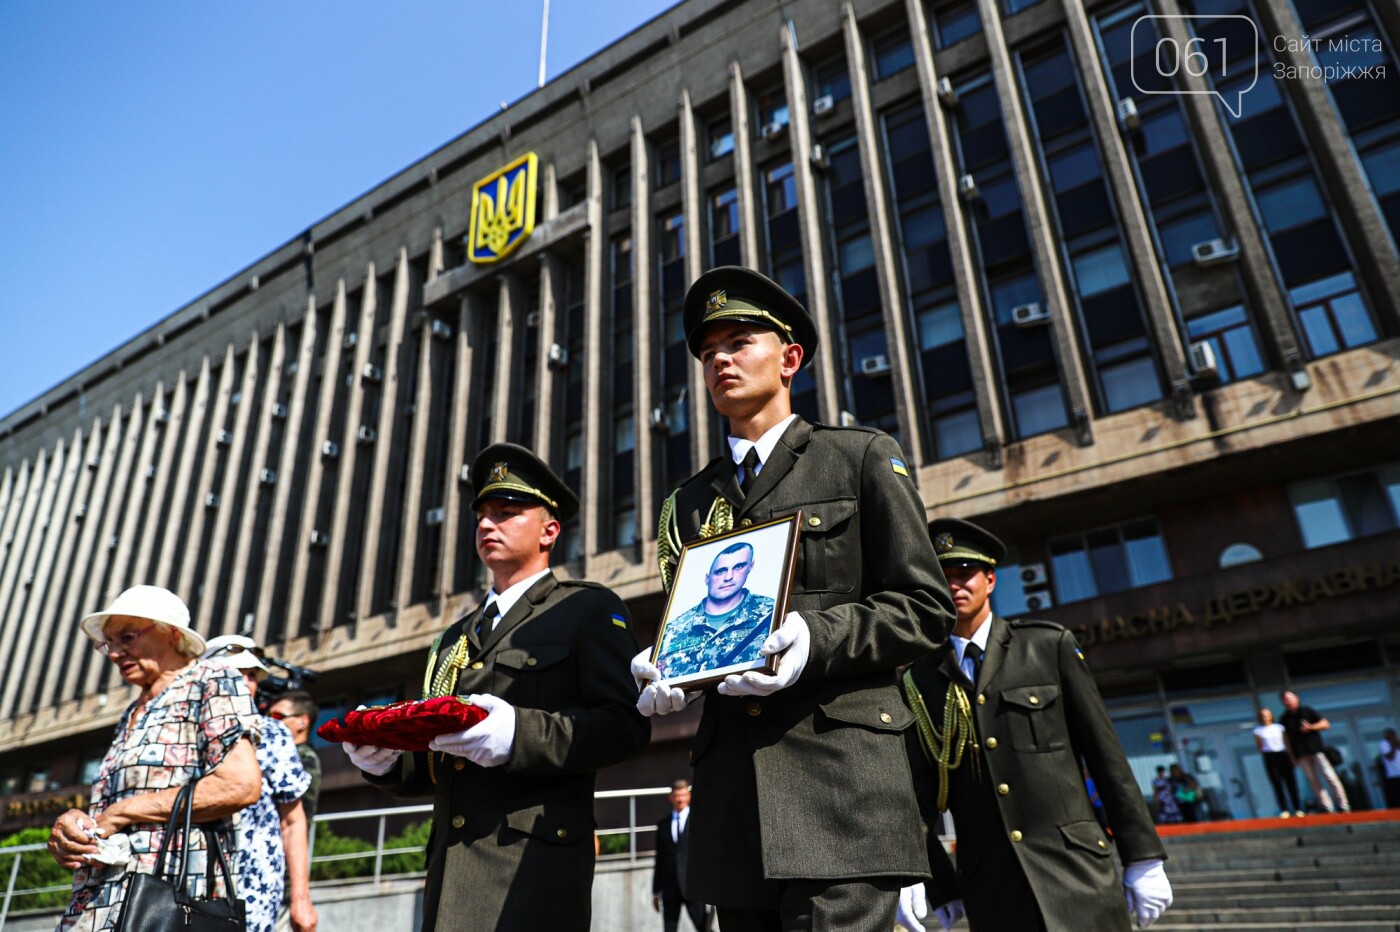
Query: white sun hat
153	603
237	651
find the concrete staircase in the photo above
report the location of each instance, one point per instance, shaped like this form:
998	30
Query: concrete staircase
1316	873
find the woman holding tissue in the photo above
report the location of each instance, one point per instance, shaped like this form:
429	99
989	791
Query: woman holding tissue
188	721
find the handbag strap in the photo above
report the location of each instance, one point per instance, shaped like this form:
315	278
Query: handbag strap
186	819
215	853
183	803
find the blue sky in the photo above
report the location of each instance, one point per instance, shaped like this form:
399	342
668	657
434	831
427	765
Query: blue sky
149	149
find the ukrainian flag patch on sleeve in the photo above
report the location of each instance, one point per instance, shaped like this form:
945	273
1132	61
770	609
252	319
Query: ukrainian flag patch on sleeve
1079	653
898	466
619	621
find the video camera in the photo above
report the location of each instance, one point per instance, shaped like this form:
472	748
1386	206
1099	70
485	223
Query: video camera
275	686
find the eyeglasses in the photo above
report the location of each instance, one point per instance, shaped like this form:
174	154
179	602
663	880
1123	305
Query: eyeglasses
236	649
123	641
280	716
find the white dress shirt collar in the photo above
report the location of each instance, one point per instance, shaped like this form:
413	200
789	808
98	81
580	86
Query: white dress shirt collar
739	448
979	637
506	600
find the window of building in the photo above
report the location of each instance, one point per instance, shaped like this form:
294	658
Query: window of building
954	22
625	530
833	79
1110	559
720	135
668	163
780	185
1341	508
1013	7
1333	315
724	227
1232	338
894	52
772	108
621	187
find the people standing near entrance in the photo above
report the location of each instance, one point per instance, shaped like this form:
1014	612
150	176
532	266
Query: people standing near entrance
1278	763
1390	768
1167	810
804	816
1303	727
512	844
672	854
1187	792
1005	712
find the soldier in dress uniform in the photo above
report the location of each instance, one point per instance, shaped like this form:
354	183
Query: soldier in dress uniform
512	838
804	814
1005	712
725	628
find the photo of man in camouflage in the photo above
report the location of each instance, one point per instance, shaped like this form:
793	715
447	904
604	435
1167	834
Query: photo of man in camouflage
725	628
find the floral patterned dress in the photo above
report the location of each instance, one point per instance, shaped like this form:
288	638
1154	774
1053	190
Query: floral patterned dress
262	865
182	733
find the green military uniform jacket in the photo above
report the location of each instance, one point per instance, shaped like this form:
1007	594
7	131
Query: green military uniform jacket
1029	849
812	782
512	846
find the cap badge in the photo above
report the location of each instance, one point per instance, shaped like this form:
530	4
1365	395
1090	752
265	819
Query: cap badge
717	300
942	543
498	473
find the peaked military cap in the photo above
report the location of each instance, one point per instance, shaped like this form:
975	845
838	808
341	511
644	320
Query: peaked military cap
734	293
509	471
959	541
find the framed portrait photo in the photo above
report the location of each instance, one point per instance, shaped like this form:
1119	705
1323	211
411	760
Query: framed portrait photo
730	592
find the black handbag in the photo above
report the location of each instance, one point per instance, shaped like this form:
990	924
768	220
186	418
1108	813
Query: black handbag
157	903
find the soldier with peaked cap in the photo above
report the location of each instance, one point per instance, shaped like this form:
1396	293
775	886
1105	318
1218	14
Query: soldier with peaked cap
804	813
512	839
1005	712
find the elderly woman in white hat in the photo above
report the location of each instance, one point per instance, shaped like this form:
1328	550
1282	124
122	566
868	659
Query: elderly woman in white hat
272	833
192	719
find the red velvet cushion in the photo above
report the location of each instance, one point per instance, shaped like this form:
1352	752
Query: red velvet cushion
404	726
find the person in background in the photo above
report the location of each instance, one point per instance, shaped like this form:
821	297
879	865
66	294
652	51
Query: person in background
1168	811
196	719
672	851
1278	763
297	710
1390	767
1303	727
273	832
1187	792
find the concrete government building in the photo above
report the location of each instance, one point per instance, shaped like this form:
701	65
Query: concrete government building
1153	345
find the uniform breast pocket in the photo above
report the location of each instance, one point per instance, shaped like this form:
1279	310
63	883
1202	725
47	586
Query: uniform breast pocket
534	676
829	554
1034	717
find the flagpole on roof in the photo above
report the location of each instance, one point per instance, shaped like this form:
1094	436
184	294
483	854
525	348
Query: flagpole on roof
544	39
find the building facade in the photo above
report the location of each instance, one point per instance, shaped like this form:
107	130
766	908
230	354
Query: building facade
1139	317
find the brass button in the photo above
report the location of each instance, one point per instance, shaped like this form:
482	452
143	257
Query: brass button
747	522
1035	700
755	709
1102	843
1016	835
459	764
1003	789
458	821
991	742
562	833
886	717
531	662
814	521
981	698
478	665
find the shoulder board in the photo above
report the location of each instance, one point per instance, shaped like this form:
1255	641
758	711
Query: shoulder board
1036	623
585	584
858	428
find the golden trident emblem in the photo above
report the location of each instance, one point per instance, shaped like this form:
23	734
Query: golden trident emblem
498	473
717	300
503	210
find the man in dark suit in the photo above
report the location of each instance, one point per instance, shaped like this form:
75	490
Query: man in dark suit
804	813
1005	712
672	850
512	839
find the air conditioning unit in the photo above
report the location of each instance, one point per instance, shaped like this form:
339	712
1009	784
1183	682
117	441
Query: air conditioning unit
1038	601
658	419
1128	114
878	364
372	373
350	340
557	357
440	330
320	538
223	438
268	477
532	319
161	417
772	130
235	399
330	449
434	516
823	104
112	542
1214	252
847	419
279	411
94	461
465	475
967	187
946	95
820	160
211	500
1033	575
80	513
365	434
1029	315
151	471
1203	363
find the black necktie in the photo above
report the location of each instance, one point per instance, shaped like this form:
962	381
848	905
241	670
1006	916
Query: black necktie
487	621
750	470
975	652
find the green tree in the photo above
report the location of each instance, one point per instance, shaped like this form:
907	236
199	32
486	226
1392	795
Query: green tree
36	871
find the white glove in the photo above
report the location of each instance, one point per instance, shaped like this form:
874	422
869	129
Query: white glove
949	913
490	741
913	907
656	697
371	759
794	642
1148	890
